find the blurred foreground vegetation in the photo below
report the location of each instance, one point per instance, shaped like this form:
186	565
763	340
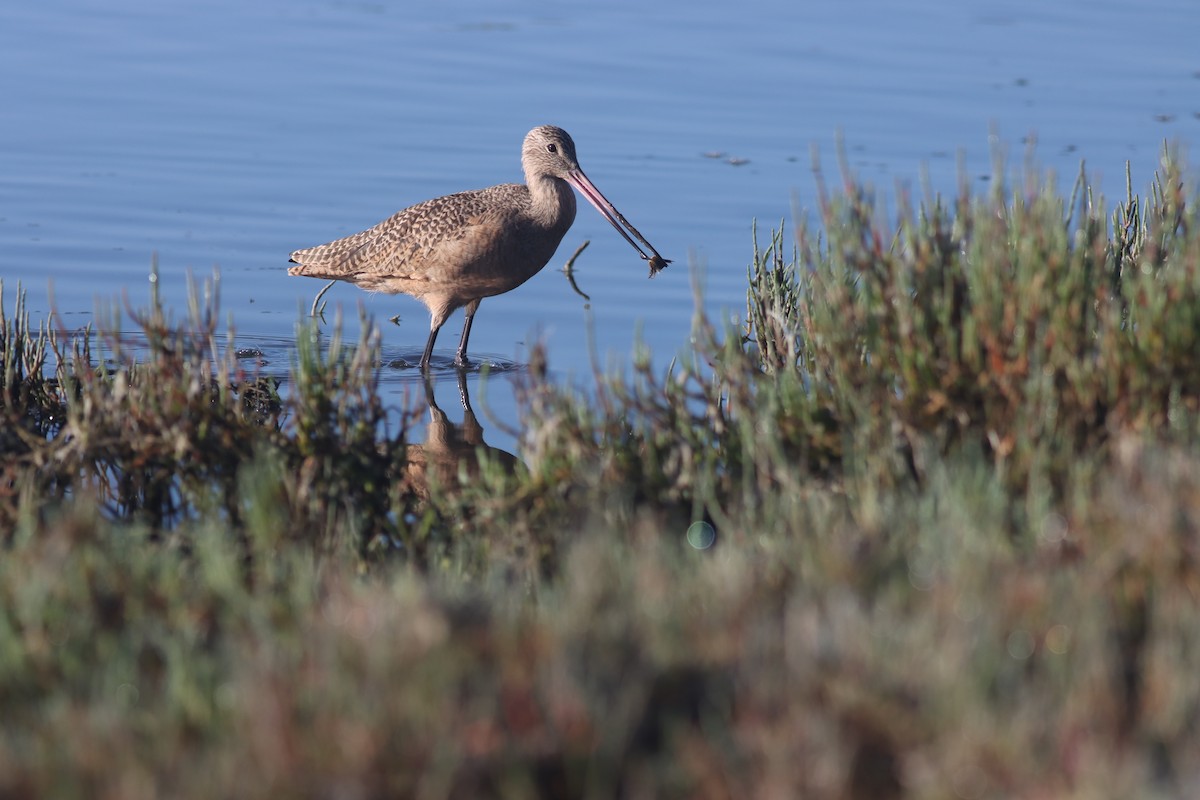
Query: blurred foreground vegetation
951	463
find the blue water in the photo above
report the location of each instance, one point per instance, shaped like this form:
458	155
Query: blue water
224	135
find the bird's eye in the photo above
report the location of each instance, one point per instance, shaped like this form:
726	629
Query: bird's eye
552	148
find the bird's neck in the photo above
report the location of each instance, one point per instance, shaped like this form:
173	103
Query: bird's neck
553	201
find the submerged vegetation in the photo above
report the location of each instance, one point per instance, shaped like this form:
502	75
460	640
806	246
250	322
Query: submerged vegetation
951	463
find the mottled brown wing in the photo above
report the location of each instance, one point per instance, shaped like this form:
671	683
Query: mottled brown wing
405	244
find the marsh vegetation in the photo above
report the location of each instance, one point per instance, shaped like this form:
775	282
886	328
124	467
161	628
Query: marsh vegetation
950	462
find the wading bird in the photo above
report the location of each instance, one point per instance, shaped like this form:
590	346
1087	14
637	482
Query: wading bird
453	251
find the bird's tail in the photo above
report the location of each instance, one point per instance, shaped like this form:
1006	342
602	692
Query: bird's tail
307	270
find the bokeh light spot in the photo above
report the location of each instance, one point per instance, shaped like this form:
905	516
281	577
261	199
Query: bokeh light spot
701	535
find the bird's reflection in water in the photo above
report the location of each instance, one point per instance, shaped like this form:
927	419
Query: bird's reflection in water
452	456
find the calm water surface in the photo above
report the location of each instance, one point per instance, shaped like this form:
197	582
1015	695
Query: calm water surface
223	135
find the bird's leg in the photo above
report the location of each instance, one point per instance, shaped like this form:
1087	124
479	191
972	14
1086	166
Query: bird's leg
460	360
429	348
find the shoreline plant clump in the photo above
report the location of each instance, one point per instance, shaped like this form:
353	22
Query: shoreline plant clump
951	464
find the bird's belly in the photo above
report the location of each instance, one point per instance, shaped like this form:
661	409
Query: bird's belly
492	277
504	264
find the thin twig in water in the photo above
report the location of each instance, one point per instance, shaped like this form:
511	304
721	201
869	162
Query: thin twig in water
570	265
320	312
569	269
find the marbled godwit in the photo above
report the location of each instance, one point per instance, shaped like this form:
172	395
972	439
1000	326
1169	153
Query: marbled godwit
454	251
